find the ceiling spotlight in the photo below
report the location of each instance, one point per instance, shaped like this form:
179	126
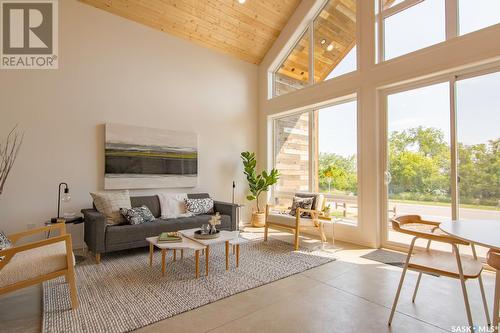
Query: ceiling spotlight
323	41
329	47
242	1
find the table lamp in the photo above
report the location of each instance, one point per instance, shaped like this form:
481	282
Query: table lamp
64	198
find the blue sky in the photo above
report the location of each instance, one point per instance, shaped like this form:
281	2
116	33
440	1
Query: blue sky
478	99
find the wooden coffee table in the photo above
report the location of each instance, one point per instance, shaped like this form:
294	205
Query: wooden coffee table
225	237
185	244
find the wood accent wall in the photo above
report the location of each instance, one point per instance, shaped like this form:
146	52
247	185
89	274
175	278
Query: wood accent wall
292	155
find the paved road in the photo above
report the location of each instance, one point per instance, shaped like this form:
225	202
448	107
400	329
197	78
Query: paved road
443	212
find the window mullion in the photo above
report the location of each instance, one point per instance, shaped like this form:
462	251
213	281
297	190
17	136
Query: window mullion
451	19
380	37
454	151
311	53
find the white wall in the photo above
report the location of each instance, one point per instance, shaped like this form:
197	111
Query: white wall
114	70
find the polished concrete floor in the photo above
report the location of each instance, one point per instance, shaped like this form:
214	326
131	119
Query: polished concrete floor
351	294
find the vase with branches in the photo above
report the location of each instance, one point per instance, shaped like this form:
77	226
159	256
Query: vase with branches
257	183
8	154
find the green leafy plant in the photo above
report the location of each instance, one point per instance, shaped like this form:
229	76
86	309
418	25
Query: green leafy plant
257	183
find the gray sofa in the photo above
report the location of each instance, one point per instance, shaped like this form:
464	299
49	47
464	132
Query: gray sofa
103	238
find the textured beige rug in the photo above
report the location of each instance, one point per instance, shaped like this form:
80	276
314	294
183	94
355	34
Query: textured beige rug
123	293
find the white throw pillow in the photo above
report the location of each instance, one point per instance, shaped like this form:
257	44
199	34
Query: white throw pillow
109	204
173	205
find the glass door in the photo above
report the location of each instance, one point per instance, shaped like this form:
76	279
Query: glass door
478	147
425	126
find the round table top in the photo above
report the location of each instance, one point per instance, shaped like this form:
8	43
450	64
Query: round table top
481	232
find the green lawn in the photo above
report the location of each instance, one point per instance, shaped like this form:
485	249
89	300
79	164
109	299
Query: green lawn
434	203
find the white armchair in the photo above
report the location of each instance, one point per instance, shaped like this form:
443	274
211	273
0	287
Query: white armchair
32	263
294	223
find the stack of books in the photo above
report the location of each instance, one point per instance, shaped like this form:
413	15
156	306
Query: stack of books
169	237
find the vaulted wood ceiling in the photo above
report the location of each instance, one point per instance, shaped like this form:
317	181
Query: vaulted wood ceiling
245	31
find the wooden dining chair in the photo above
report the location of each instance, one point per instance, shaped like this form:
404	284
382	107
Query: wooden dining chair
494	261
24	265
429	261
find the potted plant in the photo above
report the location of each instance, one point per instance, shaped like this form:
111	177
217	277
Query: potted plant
257	184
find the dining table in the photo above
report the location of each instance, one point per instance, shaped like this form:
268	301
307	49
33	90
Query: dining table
479	232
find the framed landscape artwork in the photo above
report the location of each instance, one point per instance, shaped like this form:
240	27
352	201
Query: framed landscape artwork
141	158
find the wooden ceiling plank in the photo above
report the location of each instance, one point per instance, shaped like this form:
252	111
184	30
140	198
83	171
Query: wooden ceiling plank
245	31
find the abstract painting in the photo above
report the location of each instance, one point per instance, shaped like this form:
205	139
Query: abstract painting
141	158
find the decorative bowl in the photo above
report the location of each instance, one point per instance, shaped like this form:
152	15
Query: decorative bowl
199	235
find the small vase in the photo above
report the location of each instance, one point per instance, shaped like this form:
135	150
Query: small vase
213	230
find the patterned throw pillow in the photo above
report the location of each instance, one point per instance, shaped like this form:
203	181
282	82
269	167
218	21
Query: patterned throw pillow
200	206
4	243
305	203
109	204
137	215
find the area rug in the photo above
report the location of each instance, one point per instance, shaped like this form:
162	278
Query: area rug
389	257
386	257
123	293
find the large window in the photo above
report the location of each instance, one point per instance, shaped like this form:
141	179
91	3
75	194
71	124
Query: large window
337	168
477	14
404	26
317	151
412	29
327	49
335	40
478	138
424	129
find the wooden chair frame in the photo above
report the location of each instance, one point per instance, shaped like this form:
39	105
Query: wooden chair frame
430	236
315	214
68	273
493	260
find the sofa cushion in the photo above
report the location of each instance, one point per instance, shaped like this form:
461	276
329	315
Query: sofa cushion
304	203
173	205
200	206
139	232
150	201
318	202
198	195
33	263
109	204
137	215
288	220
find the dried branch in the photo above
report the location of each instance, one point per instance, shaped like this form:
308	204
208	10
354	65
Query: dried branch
8	154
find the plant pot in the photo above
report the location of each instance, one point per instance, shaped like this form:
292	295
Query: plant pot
258	219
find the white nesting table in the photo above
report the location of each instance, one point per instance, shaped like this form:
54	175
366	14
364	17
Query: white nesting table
225	237
185	244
